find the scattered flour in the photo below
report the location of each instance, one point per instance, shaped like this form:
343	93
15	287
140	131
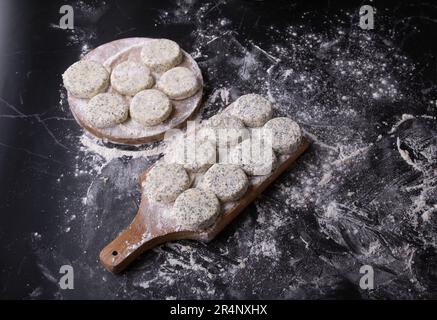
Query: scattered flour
108	154
404	118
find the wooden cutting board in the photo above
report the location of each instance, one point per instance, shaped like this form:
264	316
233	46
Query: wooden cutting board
149	229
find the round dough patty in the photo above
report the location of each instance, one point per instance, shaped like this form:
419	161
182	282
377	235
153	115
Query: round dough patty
228	129
227	181
130	77
178	83
253	109
253	158
165	182
161	54
150	107
195	209
286	134
106	109
194	154
84	79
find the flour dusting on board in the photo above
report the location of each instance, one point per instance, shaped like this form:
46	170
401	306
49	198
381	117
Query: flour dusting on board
317	220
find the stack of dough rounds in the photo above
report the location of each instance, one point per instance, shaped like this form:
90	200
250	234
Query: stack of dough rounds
286	134
161	54
227	181
165	182
195	209
178	83
106	109
253	109
84	79
150	107
130	77
253	158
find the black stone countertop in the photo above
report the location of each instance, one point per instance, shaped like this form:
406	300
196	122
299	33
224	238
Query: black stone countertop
363	194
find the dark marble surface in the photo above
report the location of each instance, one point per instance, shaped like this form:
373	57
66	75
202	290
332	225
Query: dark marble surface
363	194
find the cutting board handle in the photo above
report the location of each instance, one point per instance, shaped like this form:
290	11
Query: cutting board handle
123	249
133	241
130	243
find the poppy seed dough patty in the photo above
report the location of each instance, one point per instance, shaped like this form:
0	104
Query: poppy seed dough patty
286	134
254	159
178	83
150	107
106	109
196	155
130	77
195	209
227	181
85	79
165	182
161	54
227	128
253	109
